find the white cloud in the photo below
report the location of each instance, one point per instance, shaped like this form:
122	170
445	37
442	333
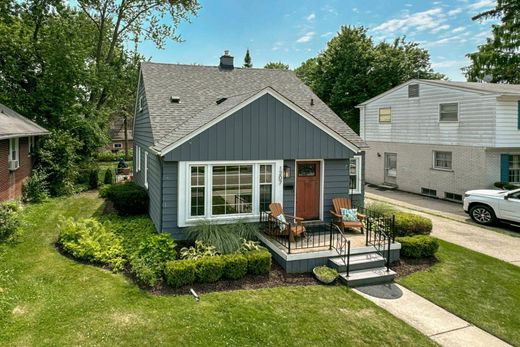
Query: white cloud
307	37
330	9
458	30
440	28
355	10
277	45
311	17
327	34
419	21
448	63
454	12
481	4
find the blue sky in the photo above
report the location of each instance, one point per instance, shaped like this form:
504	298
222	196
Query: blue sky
294	31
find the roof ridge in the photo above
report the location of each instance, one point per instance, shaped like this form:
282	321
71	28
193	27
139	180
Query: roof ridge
213	66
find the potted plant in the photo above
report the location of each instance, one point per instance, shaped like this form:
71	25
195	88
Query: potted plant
325	274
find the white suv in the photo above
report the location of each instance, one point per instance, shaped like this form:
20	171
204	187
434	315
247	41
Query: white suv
487	206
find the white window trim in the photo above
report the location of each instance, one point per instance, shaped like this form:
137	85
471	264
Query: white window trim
16	142
438	167
449	121
137	155
359	163
184	191
146	169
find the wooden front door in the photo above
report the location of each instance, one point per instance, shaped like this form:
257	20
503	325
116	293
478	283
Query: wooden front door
308	190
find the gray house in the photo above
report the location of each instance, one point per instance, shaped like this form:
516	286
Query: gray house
221	143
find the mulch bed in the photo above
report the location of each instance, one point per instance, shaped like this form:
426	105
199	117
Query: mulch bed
276	278
406	266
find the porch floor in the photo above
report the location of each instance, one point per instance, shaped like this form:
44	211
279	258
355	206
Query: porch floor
316	240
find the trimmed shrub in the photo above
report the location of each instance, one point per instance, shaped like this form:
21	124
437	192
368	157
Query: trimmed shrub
258	262
91	241
418	246
235	266
10	220
109	177
103	191
209	269
407	224
506	185
381	208
128	198
107	156
178	273
93	178
35	188
151	256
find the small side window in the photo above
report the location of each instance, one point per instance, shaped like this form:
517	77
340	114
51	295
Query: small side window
449	112
385	115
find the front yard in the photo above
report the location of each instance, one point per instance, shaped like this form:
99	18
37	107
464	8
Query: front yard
48	299
480	289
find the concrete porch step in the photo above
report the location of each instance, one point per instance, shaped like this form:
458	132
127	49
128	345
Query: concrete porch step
367	277
358	262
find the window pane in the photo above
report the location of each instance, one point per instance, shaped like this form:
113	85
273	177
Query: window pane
232	189
306	170
442	160
385	115
353	173
514	168
449	112
197	191
265	196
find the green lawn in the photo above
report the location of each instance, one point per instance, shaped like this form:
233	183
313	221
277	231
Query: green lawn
483	290
47	299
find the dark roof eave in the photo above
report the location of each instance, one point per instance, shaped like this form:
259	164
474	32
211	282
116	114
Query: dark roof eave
10	136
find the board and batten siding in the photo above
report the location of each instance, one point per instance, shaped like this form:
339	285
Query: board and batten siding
508	123
416	120
265	129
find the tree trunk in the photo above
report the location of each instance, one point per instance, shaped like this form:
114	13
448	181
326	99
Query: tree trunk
125	124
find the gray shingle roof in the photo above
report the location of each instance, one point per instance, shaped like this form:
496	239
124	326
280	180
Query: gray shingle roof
199	87
13	124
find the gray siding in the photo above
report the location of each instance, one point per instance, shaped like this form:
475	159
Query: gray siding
143	137
170	191
266	129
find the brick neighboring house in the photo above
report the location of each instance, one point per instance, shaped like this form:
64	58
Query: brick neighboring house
17	139
117	135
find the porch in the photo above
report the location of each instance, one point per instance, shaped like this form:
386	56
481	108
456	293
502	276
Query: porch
360	258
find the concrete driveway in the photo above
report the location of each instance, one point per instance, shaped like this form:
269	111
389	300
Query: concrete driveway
451	224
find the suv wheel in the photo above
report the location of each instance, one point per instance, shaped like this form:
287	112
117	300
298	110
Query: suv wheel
482	214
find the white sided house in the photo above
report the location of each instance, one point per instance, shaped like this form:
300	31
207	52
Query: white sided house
442	138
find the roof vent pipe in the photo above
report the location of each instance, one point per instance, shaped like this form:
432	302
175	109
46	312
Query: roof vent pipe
226	61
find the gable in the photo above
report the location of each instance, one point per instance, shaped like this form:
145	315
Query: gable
142	128
264	129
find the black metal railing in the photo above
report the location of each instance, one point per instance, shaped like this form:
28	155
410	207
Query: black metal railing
379	231
290	236
342	246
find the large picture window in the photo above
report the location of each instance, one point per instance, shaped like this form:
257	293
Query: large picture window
232	189
227	190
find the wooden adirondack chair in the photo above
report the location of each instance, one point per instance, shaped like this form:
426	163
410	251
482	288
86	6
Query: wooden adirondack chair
291	229
337	218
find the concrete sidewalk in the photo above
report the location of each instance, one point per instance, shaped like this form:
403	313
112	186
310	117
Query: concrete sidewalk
441	326
453	228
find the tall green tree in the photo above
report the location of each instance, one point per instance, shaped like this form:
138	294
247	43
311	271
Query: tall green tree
72	68
498	59
353	69
247	60
276	65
